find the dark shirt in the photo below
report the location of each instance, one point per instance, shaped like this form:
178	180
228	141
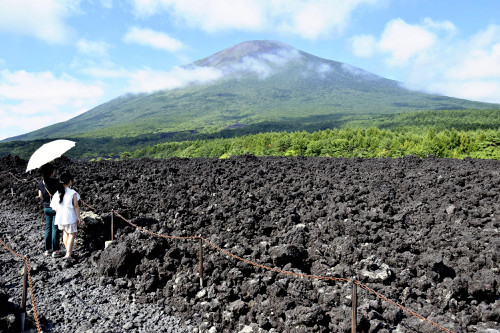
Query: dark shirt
51	185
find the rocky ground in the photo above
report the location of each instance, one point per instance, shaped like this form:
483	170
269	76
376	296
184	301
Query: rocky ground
422	232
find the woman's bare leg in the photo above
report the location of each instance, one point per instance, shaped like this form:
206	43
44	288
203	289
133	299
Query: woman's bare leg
65	239
69	247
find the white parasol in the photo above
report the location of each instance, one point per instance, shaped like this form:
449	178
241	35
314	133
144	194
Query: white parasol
49	152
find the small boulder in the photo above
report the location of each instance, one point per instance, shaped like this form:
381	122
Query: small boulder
118	260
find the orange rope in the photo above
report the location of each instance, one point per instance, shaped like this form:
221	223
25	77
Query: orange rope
279	271
86	204
371	291
12	175
153	233
331	278
32	294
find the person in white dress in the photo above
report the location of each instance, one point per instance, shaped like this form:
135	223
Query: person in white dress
65	203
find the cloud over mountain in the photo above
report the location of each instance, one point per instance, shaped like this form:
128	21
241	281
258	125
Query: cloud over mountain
248	83
435	59
307	19
155	39
257	57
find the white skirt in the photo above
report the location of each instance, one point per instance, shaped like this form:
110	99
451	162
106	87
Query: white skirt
69	228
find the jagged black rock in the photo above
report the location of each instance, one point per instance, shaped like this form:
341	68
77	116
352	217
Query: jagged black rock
422	232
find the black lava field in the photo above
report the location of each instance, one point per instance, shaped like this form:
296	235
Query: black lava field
423	233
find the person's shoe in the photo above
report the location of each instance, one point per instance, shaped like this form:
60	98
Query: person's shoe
69	259
47	253
57	254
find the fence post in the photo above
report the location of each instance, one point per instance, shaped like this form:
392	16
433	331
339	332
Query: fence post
23	299
354	305
11	187
112	214
109	242
201	262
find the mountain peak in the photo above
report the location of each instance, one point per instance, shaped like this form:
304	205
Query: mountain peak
238	52
263	84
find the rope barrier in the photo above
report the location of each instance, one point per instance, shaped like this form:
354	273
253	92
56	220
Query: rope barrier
308	276
92	208
12	175
331	278
235	256
32	294
279	271
371	291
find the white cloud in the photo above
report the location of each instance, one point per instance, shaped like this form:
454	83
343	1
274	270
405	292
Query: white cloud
430	57
251	64
404	41
22	85
324	68
263	64
313	19
447	26
97	49
482	59
465	68
475	90
34	100
33	112
479	64
14	124
309	19
156	39
210	15
45	20
363	46
280	58
148	80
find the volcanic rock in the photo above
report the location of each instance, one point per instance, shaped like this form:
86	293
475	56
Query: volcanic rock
424	233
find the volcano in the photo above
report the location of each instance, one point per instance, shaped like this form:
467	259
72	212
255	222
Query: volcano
252	84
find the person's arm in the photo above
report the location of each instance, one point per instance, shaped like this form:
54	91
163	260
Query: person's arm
77	208
40	194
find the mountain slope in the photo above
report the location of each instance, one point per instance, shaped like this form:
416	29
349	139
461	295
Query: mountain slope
254	83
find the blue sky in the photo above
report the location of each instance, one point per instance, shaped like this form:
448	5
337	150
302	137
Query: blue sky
60	58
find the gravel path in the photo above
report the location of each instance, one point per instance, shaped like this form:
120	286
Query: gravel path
67	298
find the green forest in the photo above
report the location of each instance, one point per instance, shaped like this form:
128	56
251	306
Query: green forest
446	133
348	142
443	133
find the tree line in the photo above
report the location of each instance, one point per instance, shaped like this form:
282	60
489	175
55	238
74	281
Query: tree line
444	133
347	142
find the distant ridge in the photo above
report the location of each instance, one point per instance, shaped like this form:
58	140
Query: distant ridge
260	85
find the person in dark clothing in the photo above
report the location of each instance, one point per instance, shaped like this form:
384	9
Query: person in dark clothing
47	187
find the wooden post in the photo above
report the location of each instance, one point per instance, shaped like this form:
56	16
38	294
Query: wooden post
23	299
354	305
112	214
11	188
108	243
201	262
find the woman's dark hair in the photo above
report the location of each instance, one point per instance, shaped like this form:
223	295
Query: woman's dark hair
46	170
65	178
